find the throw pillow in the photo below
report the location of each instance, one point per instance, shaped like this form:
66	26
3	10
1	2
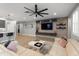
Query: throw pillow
12	46
62	43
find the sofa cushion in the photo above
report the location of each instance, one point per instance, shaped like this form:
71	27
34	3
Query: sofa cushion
5	52
12	46
57	50
71	51
30	52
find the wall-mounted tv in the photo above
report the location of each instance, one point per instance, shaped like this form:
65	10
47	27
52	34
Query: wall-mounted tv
47	26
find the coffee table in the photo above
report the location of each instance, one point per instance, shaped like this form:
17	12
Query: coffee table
36	45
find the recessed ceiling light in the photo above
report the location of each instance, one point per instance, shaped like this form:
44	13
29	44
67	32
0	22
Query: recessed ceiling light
34	17
54	13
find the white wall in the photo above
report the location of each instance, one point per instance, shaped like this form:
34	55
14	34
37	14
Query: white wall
10	26
28	28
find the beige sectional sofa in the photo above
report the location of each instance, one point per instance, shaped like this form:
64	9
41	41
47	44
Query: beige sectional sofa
6	52
56	50
20	51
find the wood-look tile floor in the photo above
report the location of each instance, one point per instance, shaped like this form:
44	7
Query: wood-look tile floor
23	40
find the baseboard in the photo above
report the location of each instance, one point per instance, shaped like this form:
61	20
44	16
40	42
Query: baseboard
28	34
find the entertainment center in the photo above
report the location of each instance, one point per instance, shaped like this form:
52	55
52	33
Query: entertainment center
52	27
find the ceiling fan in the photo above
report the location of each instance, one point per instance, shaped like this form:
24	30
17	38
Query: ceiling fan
36	12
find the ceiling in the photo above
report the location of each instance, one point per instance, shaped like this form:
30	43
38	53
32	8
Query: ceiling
16	10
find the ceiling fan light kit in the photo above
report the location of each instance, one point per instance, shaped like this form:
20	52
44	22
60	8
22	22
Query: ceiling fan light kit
36	12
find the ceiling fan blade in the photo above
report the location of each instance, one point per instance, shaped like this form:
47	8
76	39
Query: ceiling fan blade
43	10
28	9
27	12
44	13
31	14
36	8
40	15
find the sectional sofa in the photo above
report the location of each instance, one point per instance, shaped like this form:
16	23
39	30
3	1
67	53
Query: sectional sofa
71	49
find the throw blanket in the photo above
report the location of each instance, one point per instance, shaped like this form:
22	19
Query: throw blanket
46	48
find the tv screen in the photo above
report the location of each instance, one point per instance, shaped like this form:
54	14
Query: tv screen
47	26
2	23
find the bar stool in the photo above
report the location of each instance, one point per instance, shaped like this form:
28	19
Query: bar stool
9	35
1	35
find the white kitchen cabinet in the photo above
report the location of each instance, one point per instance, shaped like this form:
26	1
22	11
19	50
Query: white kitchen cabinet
10	27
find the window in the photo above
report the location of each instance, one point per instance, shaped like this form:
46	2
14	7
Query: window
75	23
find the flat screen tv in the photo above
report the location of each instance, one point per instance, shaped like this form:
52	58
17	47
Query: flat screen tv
47	26
2	23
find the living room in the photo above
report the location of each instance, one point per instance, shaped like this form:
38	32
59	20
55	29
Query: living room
42	29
